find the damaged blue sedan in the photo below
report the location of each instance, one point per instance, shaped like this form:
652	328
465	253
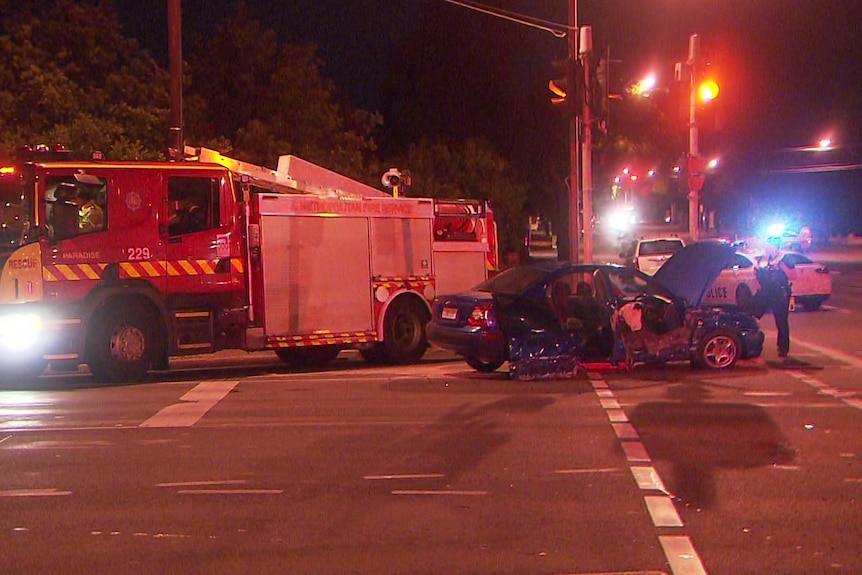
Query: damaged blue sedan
547	318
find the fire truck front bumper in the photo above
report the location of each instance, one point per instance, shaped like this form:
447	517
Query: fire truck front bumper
31	333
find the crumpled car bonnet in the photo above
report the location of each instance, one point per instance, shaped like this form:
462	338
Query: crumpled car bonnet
691	271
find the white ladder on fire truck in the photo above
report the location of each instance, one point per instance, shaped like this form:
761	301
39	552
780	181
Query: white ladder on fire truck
293	176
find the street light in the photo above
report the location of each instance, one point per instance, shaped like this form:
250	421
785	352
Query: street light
643	87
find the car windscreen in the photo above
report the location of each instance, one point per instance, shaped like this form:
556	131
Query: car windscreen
660	247
512	281
791	259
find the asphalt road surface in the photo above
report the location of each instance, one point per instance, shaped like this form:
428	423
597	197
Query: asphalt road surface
235	464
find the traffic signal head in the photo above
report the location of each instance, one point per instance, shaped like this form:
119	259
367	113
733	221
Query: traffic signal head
566	88
707	91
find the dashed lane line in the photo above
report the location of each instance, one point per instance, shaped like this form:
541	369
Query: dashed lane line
678	549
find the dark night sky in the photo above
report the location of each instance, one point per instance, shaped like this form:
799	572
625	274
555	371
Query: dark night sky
790	70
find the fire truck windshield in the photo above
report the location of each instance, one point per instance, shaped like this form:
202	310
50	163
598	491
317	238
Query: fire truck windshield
15	209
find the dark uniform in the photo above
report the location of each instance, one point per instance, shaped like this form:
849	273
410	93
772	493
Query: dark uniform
774	296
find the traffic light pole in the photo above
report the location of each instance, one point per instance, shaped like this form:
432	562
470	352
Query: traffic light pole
694	179
574	141
586	51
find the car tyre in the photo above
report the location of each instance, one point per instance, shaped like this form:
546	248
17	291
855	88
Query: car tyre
810	303
718	350
484	366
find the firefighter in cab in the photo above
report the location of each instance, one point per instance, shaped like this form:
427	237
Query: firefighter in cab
91	218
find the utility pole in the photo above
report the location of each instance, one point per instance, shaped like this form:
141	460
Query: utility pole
574	140
586	50
175	66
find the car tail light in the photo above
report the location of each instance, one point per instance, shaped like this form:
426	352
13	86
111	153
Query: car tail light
482	316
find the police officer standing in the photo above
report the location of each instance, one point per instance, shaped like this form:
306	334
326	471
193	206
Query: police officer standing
774	296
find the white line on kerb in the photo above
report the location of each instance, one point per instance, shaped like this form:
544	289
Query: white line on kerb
192	406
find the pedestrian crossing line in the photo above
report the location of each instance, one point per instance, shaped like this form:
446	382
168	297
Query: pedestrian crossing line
192	406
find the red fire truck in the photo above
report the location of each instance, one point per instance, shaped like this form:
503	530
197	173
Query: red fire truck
121	265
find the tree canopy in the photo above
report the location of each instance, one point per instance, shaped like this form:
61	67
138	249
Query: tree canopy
262	100
470	169
71	77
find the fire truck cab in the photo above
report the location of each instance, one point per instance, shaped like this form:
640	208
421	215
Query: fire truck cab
121	265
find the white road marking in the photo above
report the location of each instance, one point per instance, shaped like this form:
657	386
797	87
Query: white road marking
433	492
405	476
681	555
609	403
636	452
662	511
678	550
193	405
835	308
845	396
593	470
625	431
827	351
617	415
648	478
49	492
202	483
230	491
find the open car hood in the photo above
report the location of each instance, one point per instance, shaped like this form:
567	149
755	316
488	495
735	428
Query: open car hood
691	271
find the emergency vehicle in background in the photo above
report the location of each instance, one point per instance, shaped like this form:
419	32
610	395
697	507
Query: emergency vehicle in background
214	253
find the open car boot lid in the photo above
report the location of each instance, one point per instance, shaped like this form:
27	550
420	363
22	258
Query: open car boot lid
691	271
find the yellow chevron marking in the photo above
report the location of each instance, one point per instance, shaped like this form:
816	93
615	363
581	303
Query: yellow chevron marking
90	271
67	272
207	266
130	270
150	269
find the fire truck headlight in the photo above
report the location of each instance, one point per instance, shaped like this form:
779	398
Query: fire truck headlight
20	331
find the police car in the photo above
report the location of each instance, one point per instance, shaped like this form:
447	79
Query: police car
810	281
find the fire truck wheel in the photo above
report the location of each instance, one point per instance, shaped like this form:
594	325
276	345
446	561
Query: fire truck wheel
404	338
122	344
310	356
